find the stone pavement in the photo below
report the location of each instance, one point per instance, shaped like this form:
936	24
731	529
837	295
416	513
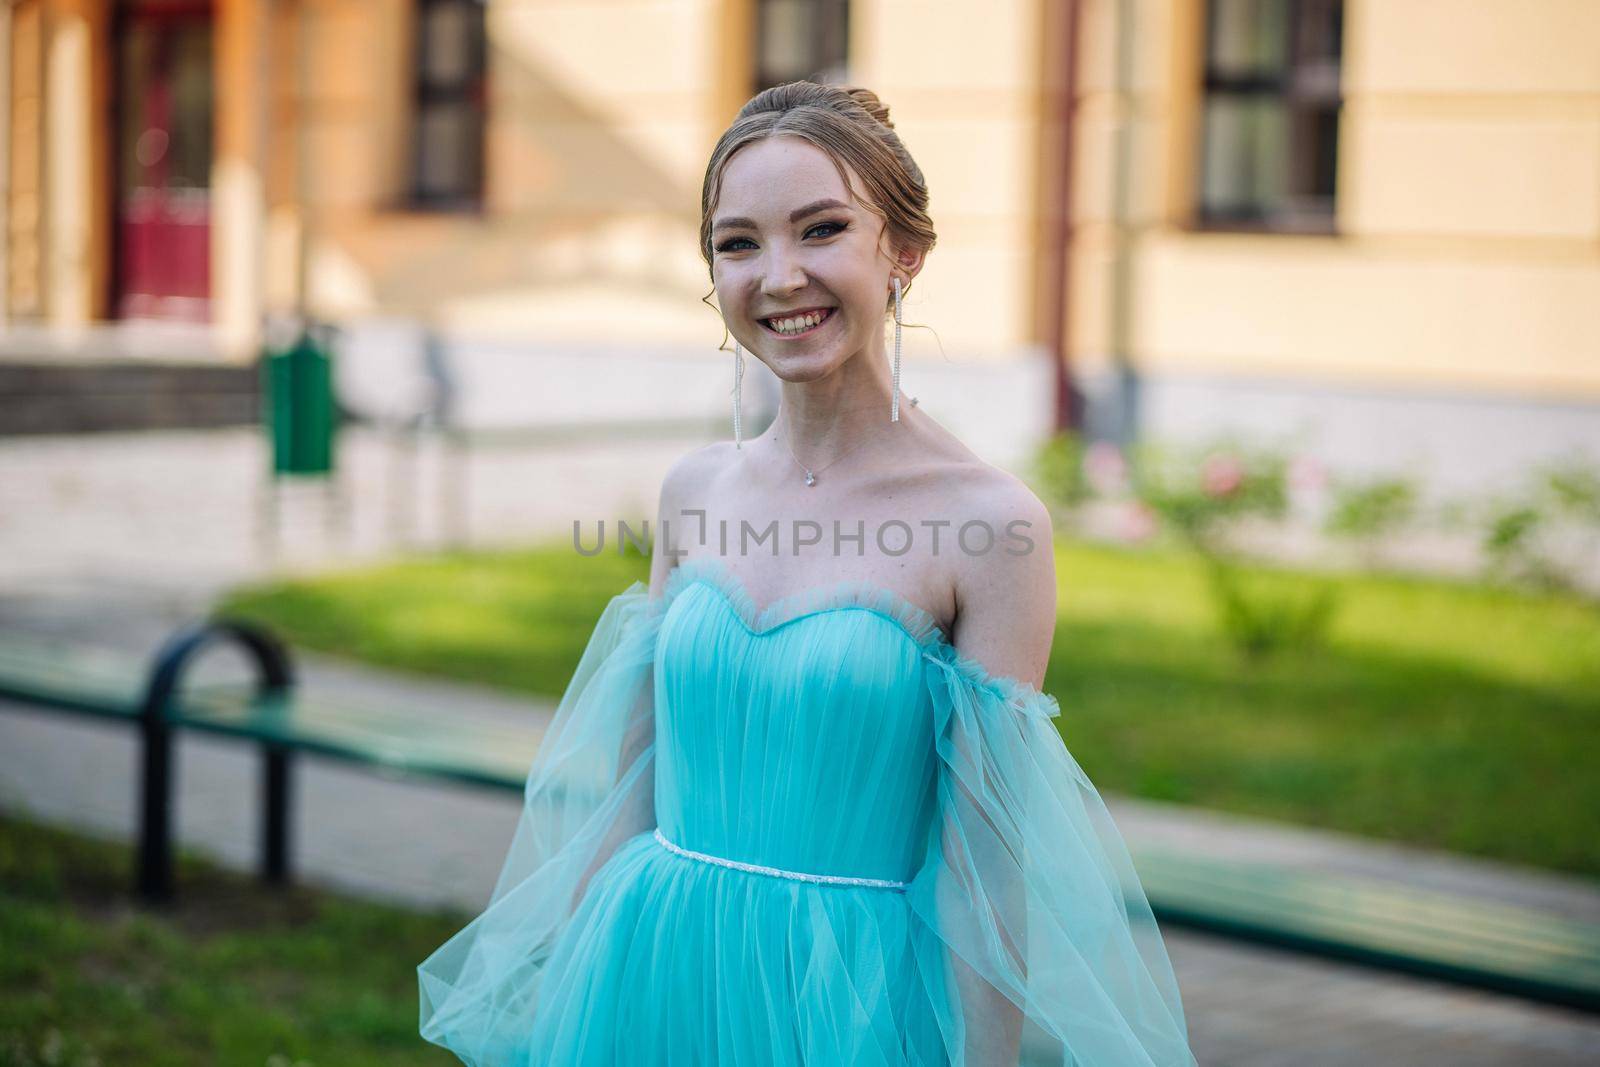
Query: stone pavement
430	845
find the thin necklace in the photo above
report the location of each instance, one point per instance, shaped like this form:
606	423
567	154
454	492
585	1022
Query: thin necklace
811	472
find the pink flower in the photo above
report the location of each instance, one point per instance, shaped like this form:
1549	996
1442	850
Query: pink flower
1137	521
1221	475
1105	467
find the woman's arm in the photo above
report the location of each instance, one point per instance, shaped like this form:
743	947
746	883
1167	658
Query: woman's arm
1005	620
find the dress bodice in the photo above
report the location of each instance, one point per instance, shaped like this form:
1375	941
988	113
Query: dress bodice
802	742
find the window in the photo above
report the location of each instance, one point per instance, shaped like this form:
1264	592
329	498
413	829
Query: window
448	121
801	39
1270	118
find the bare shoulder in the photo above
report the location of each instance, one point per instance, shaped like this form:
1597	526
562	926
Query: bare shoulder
684	486
962	485
1006	594
693	473
1001	499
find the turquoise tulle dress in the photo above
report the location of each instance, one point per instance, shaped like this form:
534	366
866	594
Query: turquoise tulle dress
813	833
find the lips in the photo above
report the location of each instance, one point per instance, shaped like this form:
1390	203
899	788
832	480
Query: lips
827	315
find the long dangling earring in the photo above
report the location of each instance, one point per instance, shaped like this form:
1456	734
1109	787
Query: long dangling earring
738	396
894	396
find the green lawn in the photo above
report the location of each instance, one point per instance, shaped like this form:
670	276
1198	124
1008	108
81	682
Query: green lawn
1441	713
233	974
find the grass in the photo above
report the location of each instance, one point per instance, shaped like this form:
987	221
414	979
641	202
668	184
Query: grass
1440	713
232	974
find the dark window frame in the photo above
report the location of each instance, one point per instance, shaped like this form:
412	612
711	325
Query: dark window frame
1309	87
829	44
471	90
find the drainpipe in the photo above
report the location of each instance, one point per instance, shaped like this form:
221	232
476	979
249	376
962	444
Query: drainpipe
1068	413
1127	384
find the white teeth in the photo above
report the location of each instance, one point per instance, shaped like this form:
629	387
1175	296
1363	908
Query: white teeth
797	325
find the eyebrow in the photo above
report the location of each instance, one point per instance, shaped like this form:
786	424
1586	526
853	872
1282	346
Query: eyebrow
741	223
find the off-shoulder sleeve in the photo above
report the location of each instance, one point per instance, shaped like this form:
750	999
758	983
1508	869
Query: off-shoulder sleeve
1033	927
589	788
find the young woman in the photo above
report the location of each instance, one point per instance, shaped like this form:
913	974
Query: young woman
804	801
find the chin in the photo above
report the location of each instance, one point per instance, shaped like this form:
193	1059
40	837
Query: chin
793	364
803	367
800	368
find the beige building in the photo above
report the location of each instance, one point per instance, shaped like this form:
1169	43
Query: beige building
1174	204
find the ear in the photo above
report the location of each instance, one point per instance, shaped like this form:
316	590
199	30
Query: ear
908	263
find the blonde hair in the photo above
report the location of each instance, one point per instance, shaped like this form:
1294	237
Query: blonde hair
851	125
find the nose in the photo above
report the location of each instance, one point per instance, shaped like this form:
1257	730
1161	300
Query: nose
782	274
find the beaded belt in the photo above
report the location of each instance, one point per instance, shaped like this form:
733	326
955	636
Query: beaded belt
799	876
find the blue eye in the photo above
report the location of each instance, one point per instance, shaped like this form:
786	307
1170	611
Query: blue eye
730	245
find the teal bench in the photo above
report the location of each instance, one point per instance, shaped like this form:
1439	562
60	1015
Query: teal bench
1465	940
271	714
1501	947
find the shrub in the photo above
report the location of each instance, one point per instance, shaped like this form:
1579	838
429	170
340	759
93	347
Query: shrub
1366	511
1544	535
1201	496
1058	472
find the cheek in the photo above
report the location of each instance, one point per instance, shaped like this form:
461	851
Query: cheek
728	287
853	274
859	291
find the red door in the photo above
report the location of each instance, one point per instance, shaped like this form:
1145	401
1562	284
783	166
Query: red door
163	204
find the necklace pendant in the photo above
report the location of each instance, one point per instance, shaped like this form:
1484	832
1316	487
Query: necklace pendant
811	479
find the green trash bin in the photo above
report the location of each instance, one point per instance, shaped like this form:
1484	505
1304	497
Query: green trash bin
298	407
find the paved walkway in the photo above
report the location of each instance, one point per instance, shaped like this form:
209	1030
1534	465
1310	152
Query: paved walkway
440	846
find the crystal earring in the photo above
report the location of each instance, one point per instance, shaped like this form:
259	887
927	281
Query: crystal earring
738	396
895	394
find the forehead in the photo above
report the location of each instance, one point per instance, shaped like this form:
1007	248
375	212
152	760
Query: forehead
774	175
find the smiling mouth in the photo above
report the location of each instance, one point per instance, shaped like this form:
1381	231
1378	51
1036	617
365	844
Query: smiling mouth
769	324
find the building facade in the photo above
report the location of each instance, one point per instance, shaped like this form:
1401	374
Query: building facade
1169	205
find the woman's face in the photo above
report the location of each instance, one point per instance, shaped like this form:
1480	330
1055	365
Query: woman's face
789	241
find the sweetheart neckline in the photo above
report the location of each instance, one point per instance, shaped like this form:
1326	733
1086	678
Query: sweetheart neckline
849	594
764	631
917	622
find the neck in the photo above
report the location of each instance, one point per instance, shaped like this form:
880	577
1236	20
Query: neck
824	419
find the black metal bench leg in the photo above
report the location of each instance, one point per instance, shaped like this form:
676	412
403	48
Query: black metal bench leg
155	877
155	813
276	783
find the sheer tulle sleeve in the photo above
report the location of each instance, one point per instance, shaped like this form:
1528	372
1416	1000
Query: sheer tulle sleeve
589	789
1032	918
